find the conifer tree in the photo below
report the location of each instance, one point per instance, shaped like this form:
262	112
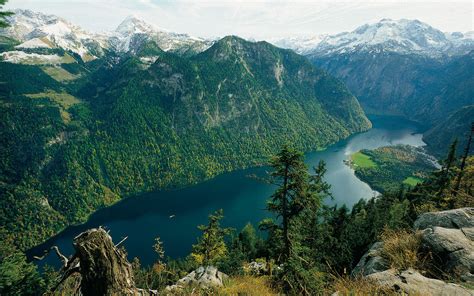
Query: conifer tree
211	246
443	177
291	176
451	158
248	240
463	160
296	201
4	14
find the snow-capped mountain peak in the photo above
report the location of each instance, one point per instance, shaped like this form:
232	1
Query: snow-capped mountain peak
387	35
402	36
133	31
25	21
38	30
134	25
408	34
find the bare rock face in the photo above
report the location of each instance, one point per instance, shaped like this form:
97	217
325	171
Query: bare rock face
411	282
452	219
204	277
449	235
371	262
104	268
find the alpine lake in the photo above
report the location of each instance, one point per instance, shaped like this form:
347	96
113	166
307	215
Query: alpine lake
174	215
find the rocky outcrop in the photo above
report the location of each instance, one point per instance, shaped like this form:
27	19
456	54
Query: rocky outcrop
452	219
449	236
204	277
371	262
412	282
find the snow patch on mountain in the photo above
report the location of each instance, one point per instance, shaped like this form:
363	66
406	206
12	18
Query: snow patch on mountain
38	30
34	43
301	44
20	57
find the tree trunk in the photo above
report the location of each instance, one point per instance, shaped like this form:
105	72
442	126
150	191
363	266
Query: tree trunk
463	162
285	213
104	268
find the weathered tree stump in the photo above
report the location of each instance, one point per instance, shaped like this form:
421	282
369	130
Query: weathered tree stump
103	267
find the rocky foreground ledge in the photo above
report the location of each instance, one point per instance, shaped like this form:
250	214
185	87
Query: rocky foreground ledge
448	238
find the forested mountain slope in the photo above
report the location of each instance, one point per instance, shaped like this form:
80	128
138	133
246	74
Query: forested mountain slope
418	87
78	136
455	126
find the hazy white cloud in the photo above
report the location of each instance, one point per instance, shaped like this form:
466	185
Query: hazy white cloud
258	19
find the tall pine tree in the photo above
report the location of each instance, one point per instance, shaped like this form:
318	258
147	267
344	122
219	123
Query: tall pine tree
290	174
296	202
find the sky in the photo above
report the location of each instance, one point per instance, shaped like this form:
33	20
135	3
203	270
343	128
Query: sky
259	19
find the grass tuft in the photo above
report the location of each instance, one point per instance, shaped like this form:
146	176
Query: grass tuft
248	285
402	248
358	286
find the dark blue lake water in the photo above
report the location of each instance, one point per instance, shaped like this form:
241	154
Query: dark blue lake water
144	217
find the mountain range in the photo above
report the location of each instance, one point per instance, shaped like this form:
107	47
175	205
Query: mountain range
38	30
389	36
405	68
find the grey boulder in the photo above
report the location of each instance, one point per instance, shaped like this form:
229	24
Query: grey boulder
411	282
452	219
204	277
371	262
449	236
452	249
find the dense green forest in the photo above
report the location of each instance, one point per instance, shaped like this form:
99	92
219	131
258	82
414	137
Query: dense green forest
80	136
386	167
311	246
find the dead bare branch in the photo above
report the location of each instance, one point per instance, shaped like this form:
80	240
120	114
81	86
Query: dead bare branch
120	242
63	258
